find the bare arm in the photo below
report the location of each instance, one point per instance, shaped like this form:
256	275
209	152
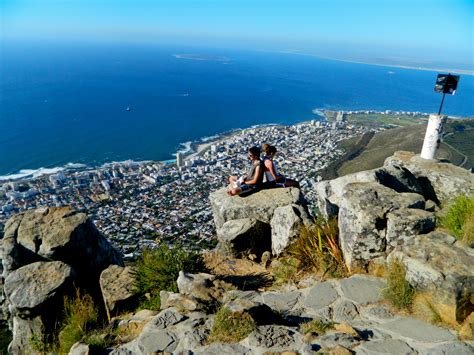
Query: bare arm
271	168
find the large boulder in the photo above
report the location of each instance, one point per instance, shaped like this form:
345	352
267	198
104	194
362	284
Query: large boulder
31	286
260	205
263	221
442	269
244	235
363	218
118	288
56	233
286	224
395	177
440	181
33	293
45	254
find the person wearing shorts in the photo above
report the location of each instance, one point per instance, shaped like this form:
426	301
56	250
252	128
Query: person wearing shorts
252	179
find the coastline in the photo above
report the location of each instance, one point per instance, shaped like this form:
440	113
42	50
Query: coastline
190	149
399	66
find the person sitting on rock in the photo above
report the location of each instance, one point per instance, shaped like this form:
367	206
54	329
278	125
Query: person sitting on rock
273	177
251	181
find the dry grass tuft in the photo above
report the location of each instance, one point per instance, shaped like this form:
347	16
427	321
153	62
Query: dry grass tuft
317	248
318	326
398	291
231	327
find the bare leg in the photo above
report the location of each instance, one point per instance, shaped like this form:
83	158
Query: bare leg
234	191
232	179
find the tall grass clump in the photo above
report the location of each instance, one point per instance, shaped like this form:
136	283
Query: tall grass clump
157	269
231	327
318	326
80	317
317	248
398	291
459	218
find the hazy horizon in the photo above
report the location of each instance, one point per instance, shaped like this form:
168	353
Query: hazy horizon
417	33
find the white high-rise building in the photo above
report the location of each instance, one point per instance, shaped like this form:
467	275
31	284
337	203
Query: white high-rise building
179	159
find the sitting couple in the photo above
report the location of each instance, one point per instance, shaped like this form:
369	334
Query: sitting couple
253	180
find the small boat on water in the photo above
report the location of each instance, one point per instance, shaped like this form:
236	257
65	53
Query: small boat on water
128	109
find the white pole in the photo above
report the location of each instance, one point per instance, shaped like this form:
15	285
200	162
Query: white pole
432	136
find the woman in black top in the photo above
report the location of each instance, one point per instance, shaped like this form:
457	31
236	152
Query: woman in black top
254	177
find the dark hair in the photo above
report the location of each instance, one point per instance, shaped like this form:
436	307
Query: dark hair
255	151
269	149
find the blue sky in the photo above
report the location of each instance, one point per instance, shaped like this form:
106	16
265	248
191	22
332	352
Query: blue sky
411	29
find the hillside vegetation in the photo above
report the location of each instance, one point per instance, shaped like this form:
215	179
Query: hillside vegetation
458	147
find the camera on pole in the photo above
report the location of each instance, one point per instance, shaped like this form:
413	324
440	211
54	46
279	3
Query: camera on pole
445	84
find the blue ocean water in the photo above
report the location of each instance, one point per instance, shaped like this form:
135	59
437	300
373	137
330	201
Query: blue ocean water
67	102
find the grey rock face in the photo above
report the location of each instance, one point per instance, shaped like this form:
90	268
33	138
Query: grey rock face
197	285
285	226
261	313
344	311
43	252
333	339
23	330
118	287
457	348
30	287
179	301
59	234
154	341
441	269
439	181
244	235
395	177
386	346
379	209
260	205
363	219
362	289
281	301
263	221
320	296
165	319
407	223
410	328
220	349
275	338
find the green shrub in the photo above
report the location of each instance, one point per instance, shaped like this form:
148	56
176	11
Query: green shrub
286	271
468	229
80	316
318	248
318	326
398	291
157	269
459	212
231	327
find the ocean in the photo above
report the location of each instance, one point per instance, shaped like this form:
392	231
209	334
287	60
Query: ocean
91	103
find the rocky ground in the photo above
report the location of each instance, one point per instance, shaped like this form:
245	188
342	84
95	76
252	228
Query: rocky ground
364	324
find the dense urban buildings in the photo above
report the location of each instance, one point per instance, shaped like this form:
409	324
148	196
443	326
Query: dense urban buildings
136	204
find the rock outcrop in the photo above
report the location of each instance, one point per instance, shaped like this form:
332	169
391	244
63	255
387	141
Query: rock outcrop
440	181
264	221
388	213
381	209
45	252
